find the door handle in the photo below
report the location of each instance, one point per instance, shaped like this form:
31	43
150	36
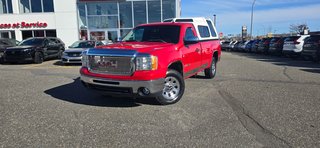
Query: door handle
197	49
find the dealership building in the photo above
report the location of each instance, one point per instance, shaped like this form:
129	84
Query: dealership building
71	20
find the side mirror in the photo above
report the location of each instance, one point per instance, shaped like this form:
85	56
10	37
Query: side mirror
191	40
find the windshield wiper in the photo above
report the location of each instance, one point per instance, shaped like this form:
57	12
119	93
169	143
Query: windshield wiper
130	41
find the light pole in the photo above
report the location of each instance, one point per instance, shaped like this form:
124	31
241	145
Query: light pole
215	19
254	1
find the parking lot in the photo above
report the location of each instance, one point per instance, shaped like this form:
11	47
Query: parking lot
254	101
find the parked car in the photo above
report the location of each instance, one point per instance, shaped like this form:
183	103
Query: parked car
254	46
263	46
35	49
225	45
248	46
74	52
276	45
311	48
232	44
243	46
5	43
293	45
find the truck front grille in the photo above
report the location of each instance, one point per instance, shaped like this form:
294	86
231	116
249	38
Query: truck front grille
111	65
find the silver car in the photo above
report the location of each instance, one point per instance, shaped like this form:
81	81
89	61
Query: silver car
74	53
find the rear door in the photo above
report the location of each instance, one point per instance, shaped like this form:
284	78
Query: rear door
191	53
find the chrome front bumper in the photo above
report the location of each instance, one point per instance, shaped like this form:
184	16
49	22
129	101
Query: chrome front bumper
155	86
67	59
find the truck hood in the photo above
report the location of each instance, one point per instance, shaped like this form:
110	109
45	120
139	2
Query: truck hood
144	47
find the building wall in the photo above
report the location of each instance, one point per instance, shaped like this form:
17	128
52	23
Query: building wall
63	20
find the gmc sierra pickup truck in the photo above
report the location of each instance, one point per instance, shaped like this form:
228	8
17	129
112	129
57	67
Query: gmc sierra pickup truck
153	60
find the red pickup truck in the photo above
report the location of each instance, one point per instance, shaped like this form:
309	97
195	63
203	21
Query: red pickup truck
153	60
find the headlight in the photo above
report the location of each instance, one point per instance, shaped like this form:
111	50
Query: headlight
85	59
64	54
146	63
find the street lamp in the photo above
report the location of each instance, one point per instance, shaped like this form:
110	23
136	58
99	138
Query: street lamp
254	1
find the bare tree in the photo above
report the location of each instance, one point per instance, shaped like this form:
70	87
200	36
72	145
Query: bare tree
298	28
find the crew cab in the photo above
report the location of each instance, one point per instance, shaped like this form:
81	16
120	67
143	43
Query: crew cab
153	60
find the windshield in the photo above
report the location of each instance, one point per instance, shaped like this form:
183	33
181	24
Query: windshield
163	33
83	44
32	41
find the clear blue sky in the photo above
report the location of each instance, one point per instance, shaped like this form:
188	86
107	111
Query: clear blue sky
269	15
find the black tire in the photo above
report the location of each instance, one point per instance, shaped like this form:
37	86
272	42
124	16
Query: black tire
173	88
212	70
38	58
60	52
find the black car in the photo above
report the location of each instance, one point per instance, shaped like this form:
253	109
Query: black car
263	46
254	46
5	43
276	45
35	49
311	48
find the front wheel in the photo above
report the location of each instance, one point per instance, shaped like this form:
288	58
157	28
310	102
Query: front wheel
212	70
173	88
38	58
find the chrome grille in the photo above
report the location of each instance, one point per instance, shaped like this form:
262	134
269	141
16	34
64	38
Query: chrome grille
74	54
111	65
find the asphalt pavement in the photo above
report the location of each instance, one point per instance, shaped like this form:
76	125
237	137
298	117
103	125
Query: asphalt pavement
254	101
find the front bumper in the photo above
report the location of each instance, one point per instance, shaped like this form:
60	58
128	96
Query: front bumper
71	60
120	87
17	58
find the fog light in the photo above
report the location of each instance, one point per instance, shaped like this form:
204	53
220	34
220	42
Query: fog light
144	91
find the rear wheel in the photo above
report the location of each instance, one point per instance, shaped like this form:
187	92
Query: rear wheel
212	70
173	88
38	58
60	52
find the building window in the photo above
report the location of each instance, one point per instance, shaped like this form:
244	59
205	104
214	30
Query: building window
139	8
38	33
5	6
100	22
125	9
28	6
154	11
102	8
168	8
8	34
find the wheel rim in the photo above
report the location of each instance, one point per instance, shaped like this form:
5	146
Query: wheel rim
171	88
213	66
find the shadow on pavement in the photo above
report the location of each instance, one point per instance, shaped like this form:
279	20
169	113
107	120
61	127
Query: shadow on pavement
307	66
75	92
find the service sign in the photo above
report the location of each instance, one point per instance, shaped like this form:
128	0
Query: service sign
23	25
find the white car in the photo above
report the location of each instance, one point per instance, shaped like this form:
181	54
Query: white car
74	53
293	45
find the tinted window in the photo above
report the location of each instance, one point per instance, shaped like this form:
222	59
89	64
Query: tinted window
313	39
204	31
169	34
168	9
125	15
184	20
48	6
189	33
292	38
139	12
36	6
154	11
32	41
213	32
5	7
